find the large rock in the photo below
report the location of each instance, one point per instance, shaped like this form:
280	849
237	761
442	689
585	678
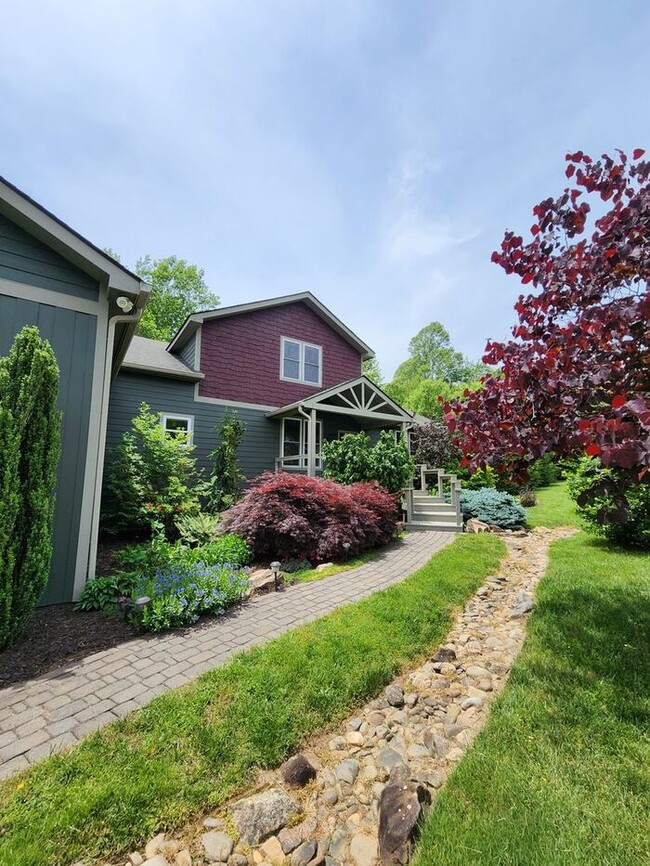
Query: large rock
476	525
401	809
298	771
261	815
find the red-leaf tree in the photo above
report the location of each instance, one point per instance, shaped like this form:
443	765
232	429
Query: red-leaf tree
576	375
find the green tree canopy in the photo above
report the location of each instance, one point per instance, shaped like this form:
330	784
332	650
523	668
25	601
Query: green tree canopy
434	369
178	289
372	371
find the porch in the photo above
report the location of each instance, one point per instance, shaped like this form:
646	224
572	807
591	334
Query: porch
352	407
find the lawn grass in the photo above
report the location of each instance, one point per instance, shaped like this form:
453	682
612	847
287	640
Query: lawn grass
193	748
560	775
554	507
308	575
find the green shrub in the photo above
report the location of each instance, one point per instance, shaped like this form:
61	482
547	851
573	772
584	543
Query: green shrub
352	459
103	593
180	594
617	510
226	480
151	477
225	550
159	553
197	528
495	507
29	452
543	472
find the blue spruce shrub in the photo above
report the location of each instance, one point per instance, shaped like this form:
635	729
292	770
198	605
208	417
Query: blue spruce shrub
492	506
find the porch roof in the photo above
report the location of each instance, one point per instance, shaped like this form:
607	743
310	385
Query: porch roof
361	398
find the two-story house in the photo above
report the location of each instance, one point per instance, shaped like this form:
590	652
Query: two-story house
289	367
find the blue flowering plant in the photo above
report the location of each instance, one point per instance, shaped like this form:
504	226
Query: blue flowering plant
179	594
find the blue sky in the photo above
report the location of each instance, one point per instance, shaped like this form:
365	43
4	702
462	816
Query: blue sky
371	152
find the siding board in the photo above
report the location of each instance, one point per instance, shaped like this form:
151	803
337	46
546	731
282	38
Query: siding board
24	259
72	336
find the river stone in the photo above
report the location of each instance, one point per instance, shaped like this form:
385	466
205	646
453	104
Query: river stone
298	771
444	654
363	849
156	860
395	695
237	859
259	816
153	846
272	850
388	758
347	771
136	858
217	846
183	858
304	854
214	824
290	838
338	844
376	719
401	808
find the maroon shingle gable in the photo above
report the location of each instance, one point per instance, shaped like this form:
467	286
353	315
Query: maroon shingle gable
240	355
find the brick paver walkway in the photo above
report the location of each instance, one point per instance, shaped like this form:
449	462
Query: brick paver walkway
56	710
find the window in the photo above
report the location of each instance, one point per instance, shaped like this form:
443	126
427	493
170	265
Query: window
294	443
301	362
175	424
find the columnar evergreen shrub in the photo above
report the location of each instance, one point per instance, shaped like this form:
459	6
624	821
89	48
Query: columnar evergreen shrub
495	507
288	516
543	472
352	459
151	477
29	445
227	478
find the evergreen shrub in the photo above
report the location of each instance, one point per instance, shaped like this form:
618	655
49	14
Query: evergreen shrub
29	449
495	507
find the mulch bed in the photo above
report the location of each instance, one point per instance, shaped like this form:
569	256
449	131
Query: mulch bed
55	636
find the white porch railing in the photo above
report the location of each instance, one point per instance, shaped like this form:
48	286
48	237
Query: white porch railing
437	502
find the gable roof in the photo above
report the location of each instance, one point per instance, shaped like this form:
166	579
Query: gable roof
360	397
42	224
151	356
193	323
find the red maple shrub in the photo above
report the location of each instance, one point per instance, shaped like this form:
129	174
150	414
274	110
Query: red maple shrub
288	516
575	378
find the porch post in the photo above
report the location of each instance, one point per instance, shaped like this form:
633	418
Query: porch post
311	444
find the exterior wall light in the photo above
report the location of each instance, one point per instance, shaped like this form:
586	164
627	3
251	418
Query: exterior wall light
124	304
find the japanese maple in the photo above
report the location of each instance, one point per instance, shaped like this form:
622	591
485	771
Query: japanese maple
575	377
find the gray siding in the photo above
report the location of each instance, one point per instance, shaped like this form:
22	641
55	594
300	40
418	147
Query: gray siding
188	353
261	442
72	336
25	259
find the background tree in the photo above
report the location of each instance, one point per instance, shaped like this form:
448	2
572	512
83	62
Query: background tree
576	375
431	443
178	289
435	369
372	371
29	449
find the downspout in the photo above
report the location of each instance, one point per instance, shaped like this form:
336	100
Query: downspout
121	318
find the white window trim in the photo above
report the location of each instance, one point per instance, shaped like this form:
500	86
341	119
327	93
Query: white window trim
166	416
301	380
302	448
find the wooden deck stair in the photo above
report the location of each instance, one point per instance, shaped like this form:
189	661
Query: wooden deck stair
429	508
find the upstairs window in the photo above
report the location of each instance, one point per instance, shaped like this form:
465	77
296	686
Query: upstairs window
301	362
173	425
